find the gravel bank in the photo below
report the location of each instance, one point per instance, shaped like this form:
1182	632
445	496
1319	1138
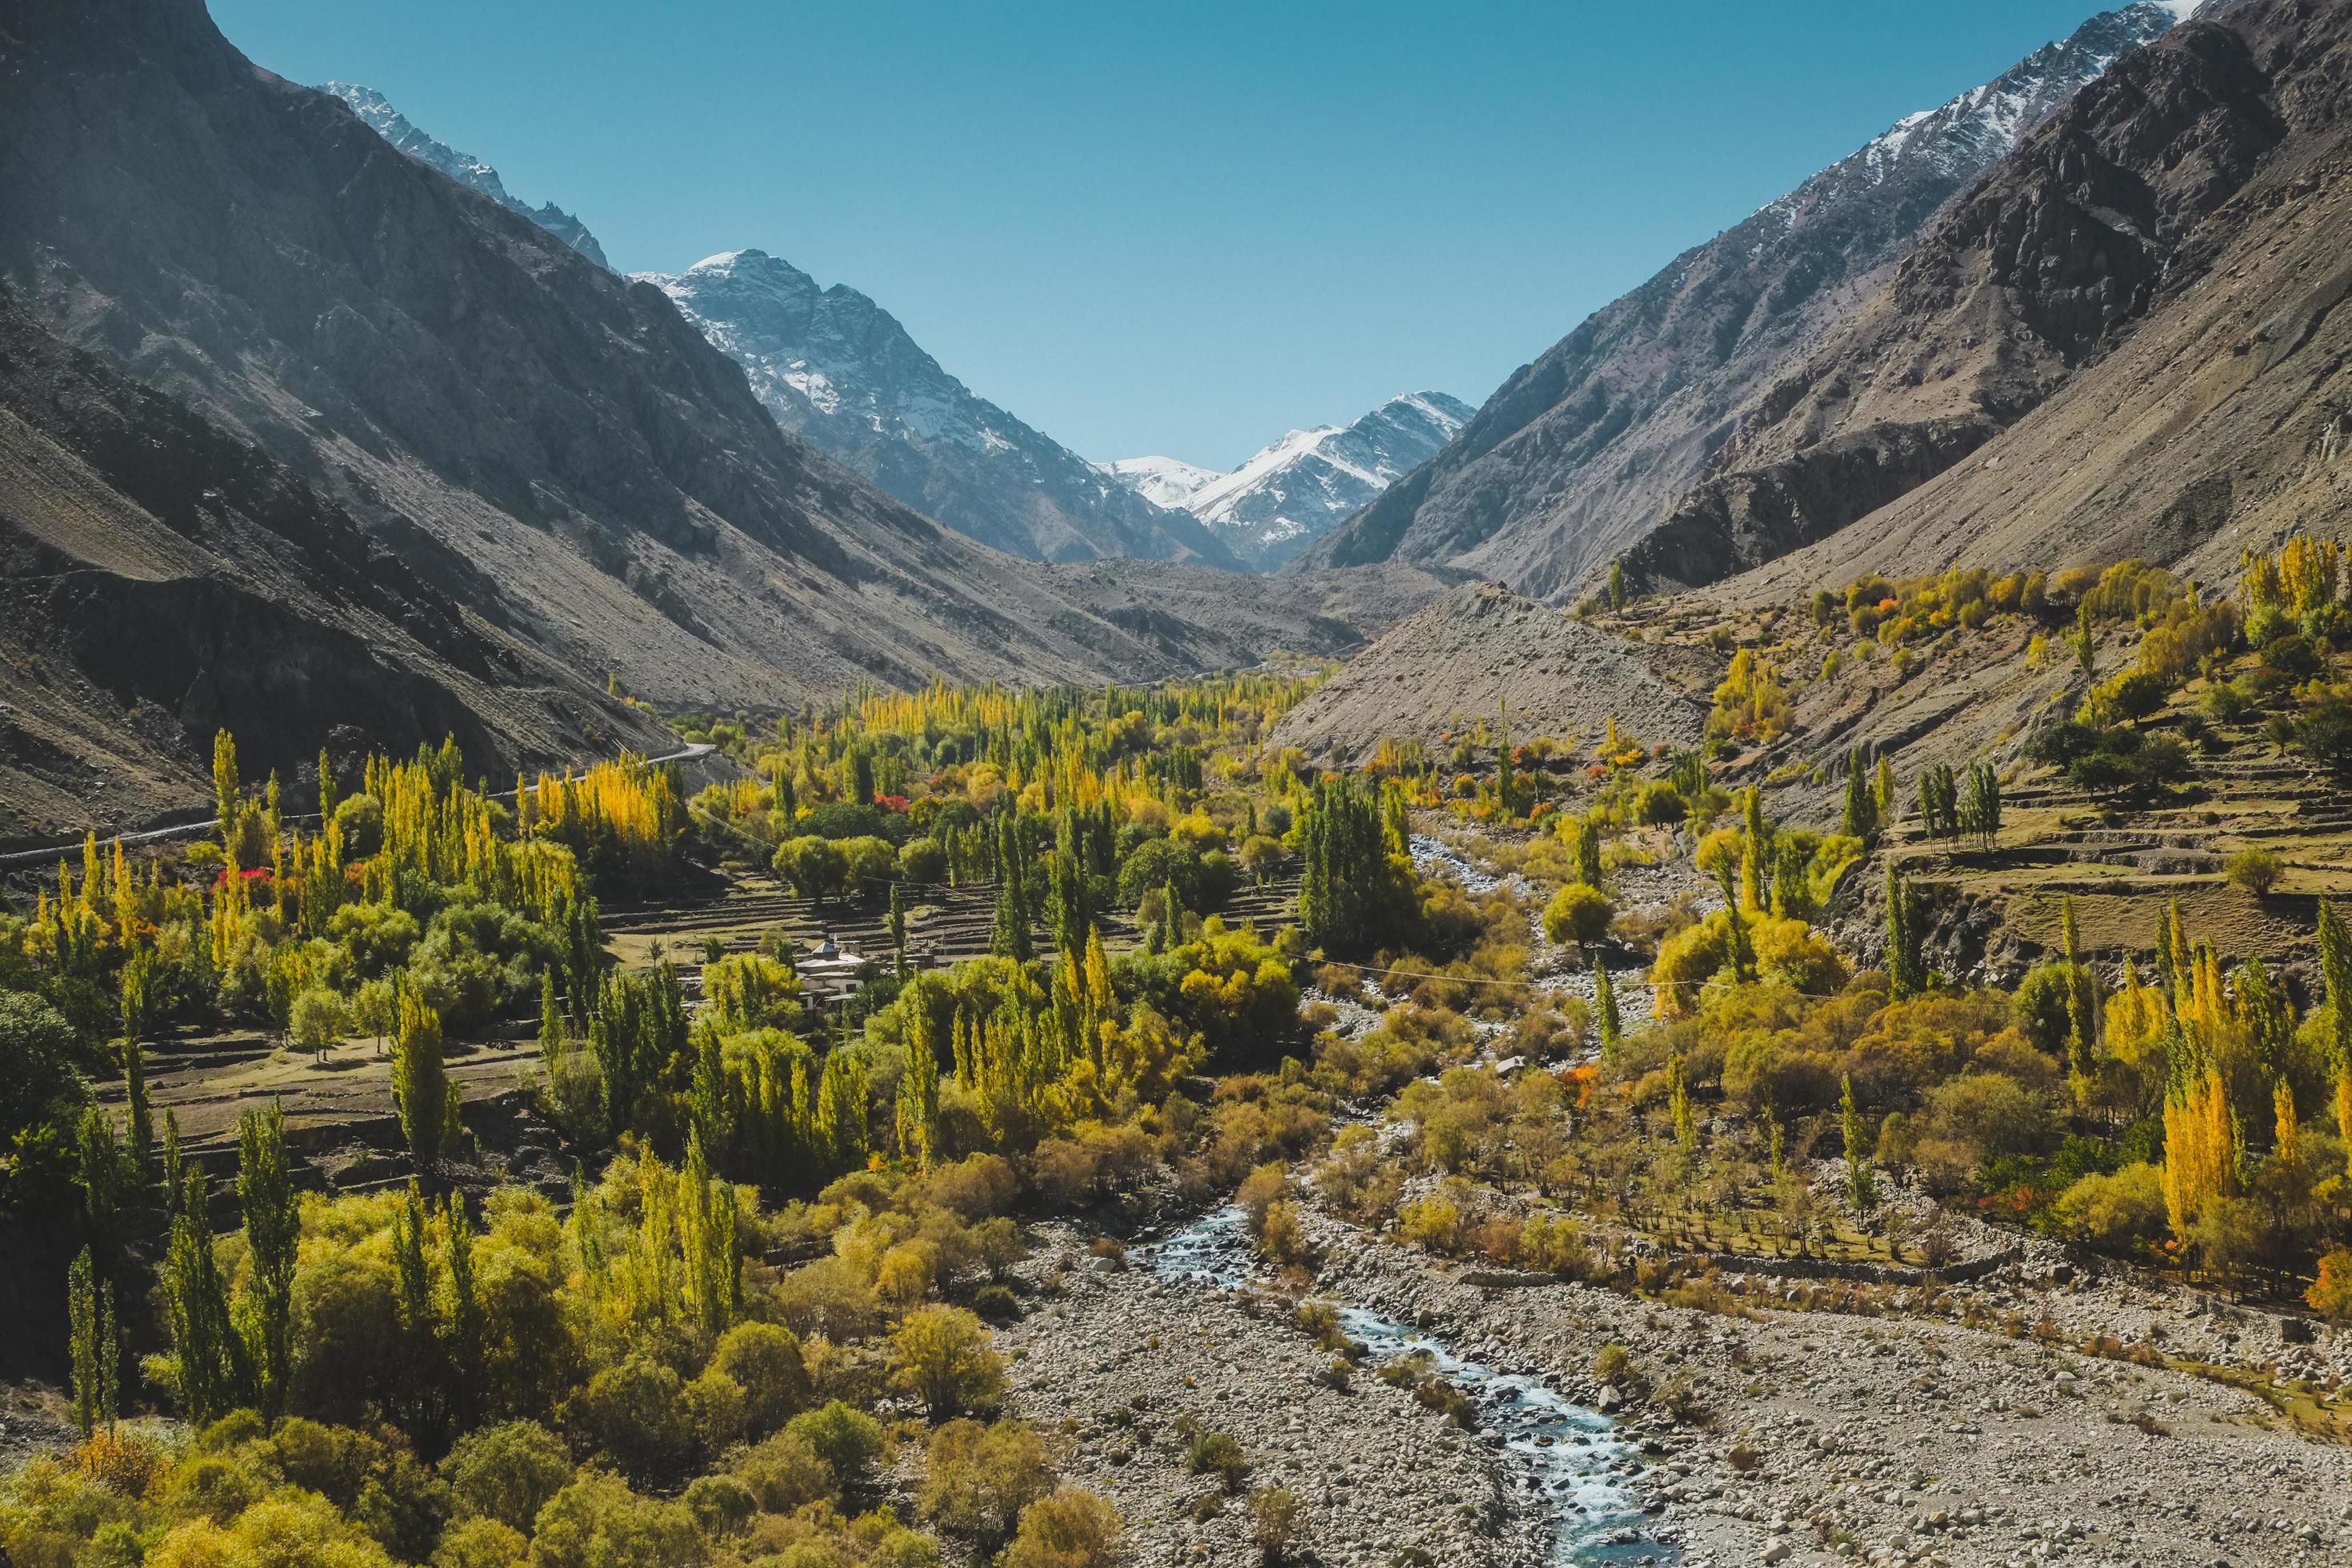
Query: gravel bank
1903	1439
1122	1356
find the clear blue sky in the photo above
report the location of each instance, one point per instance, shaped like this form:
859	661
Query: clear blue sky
1150	225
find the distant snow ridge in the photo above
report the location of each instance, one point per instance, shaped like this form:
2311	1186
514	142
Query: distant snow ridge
463	167
1162	481
1295	491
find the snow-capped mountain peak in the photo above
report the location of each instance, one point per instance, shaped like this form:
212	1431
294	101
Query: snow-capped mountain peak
1162	481
381	117
1976	128
839	371
1298	489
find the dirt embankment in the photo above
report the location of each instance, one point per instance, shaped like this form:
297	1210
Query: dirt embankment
1482	649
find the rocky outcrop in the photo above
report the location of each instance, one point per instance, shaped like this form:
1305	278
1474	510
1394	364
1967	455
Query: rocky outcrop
2165	274
2031	274
463	167
1477	652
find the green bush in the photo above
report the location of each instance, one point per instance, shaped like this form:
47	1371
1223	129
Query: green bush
508	1472
848	1440
2116	1213
1579	914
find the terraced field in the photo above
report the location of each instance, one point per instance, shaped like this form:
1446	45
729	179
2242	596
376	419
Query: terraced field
338	1107
2122	860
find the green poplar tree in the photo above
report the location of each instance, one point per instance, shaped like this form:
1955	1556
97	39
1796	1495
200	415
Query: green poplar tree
1679	1102
1860	819
1980	809
1755	849
420	1081
97	1352
1905	970
1735	927
1505	789
422	1379
551	1038
461	1316
273	1231
138	1117
207	1357
2078	1005
2336	976
1604	1008
1587	851
1861	1188
1008	935
897	922
105	1182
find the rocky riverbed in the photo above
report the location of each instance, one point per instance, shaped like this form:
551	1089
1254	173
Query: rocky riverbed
1905	1439
1816	1437
1123	1358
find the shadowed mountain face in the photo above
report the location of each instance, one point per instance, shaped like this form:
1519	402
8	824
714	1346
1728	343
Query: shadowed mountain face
2034	272
463	167
1583	454
839	371
2132	336
556	447
160	580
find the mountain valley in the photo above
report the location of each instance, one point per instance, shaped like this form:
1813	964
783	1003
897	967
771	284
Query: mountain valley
637	930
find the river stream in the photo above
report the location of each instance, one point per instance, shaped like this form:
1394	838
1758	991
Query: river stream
1568	1462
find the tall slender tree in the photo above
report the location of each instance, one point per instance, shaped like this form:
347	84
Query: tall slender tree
1906	971
1980	807
1860	1189
207	1370
1860	819
420	1081
97	1354
461	1316
2078	1009
273	1231
898	926
139	1116
2336	976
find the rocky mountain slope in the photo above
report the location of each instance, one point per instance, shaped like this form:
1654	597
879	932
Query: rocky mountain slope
463	167
554	448
2164	267
2034	272
1585	452
839	371
160	580
1293	492
1464	657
